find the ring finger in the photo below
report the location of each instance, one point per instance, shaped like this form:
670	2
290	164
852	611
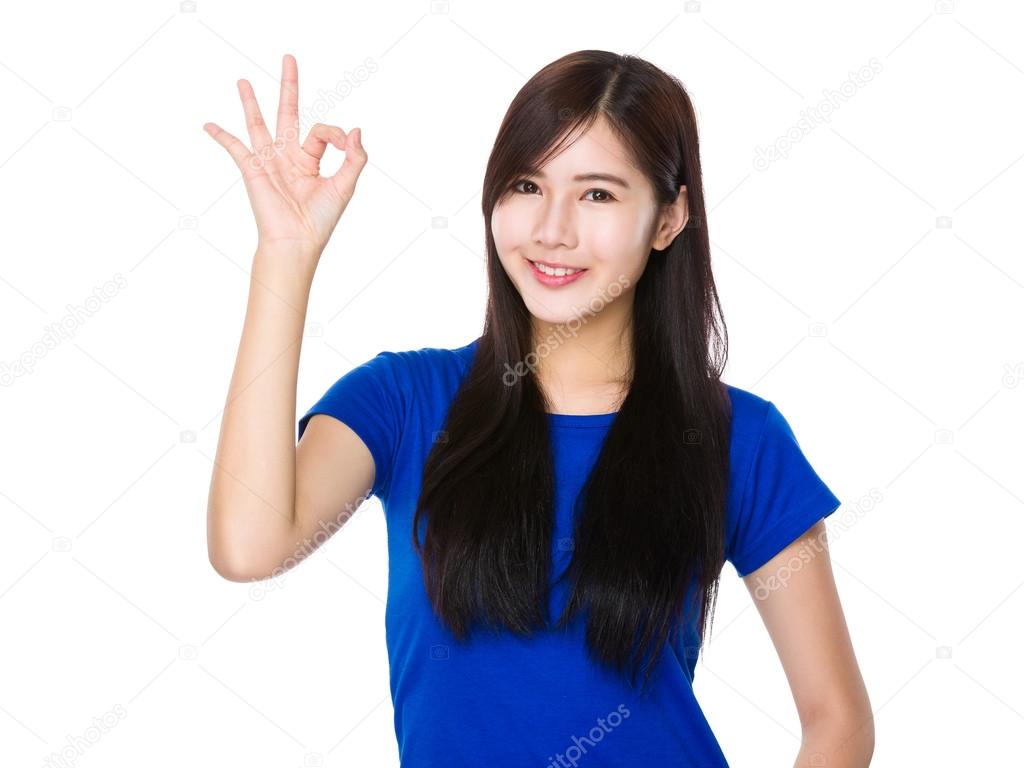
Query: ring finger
320	135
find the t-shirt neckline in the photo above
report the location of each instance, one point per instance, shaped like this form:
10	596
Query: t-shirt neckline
581	419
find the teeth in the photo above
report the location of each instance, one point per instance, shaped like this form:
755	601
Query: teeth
554	271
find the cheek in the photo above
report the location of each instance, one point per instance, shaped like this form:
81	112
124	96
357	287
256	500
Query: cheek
503	231
620	240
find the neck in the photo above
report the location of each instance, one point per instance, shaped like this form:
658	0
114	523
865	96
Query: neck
586	367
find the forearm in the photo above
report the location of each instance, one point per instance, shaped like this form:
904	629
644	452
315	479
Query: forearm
252	490
837	742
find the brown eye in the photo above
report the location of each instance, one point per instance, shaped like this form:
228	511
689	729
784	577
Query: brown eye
608	195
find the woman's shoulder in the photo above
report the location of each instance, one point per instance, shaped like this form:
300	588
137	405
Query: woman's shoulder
749	411
421	375
760	428
421	361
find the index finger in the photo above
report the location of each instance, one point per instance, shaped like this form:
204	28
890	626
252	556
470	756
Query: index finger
288	105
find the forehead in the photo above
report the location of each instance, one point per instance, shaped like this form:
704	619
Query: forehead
598	149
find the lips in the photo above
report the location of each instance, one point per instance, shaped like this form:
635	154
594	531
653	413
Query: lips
554	266
554	280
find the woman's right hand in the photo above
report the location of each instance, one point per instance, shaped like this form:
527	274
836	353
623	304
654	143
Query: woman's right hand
295	207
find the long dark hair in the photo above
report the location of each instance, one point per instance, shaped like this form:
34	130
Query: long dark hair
650	519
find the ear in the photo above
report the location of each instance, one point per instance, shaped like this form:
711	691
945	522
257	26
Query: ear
672	221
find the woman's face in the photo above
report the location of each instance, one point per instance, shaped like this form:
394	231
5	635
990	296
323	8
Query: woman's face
605	227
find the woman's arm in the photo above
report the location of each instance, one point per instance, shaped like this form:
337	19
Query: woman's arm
266	497
796	595
251	505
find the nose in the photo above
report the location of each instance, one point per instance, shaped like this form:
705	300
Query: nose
555	226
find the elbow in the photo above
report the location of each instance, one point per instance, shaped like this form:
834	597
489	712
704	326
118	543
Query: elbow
861	733
227	570
222	549
847	734
241	555
868	743
228	564
239	569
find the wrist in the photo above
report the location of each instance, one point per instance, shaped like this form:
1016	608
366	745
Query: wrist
285	272
290	248
286	260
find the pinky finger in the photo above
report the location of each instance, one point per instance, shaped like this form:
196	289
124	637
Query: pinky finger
238	151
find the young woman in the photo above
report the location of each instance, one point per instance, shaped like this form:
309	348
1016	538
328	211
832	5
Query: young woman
562	492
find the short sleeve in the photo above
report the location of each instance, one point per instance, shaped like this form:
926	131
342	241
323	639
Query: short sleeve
783	496
368	399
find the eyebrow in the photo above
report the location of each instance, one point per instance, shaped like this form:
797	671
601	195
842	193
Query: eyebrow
593	176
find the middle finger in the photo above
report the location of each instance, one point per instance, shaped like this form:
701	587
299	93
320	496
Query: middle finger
288	105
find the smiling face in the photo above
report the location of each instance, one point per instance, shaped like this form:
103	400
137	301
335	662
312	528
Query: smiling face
588	209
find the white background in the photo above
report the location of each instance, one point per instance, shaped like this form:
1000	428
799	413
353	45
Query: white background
872	283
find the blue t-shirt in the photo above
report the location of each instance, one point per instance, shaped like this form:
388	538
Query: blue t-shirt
501	700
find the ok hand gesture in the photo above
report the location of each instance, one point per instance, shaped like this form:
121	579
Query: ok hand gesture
295	207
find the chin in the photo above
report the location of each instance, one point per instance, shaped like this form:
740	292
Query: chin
568	314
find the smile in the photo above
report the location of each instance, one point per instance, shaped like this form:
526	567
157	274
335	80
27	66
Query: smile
555	276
